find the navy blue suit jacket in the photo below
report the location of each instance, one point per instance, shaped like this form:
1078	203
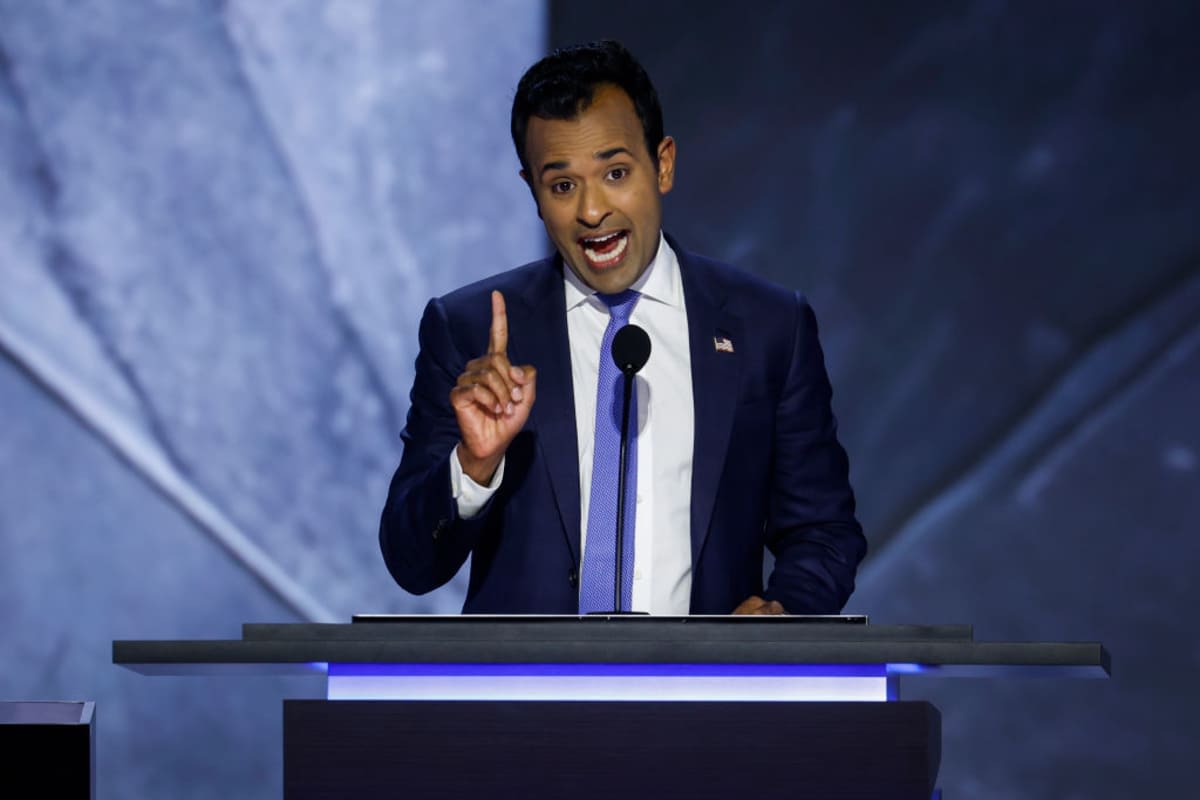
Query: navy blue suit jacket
768	470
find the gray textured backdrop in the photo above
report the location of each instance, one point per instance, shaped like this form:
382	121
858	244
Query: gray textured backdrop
219	223
995	208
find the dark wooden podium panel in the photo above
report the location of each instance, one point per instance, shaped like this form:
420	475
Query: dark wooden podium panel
585	750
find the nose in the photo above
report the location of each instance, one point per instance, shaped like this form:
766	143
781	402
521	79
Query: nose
593	206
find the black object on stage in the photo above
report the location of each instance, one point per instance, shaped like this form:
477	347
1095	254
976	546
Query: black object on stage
630	351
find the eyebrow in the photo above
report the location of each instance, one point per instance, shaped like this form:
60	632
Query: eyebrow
603	155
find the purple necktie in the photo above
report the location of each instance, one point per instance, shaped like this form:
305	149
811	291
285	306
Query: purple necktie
599	564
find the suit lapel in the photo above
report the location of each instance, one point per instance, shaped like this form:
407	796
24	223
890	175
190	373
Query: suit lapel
540	338
715	385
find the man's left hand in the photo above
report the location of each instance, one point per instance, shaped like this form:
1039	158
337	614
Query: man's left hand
756	605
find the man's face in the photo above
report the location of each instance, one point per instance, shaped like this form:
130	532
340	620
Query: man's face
598	190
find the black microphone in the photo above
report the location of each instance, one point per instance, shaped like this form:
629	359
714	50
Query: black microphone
630	351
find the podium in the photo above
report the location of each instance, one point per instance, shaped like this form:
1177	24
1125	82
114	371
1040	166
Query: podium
590	707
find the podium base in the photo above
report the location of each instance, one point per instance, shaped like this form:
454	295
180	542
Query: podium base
584	750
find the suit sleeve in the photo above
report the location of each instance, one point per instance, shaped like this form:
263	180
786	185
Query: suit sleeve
423	539
812	531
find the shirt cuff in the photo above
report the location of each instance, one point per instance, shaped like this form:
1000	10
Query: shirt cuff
469	495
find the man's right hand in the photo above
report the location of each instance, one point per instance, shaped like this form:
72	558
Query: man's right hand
491	400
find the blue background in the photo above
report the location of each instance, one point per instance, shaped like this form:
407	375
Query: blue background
219	223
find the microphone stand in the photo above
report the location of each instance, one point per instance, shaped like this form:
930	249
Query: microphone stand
630	350
619	560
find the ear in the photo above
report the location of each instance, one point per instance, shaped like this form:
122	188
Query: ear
529	185
666	165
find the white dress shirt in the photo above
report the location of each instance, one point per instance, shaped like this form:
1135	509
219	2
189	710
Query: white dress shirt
662	569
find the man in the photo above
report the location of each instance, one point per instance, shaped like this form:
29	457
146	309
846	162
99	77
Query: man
510	449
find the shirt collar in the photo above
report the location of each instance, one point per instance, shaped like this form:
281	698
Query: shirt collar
660	282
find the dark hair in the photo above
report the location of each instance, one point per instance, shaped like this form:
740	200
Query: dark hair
562	85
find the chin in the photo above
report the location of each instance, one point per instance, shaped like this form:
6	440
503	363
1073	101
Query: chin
611	283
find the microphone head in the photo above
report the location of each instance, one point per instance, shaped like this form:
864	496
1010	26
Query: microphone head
631	349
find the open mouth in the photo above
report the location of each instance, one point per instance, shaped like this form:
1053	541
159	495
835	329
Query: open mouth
606	250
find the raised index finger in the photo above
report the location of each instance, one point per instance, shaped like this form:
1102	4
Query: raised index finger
498	341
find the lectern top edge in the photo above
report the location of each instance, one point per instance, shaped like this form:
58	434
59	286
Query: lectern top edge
603	629
622	619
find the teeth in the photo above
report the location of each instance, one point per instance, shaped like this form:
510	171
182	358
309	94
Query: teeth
601	259
602	239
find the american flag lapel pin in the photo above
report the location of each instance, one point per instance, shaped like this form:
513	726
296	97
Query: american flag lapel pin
722	344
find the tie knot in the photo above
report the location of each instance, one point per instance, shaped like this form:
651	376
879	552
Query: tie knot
620	305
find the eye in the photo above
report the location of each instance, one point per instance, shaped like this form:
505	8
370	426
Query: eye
618	173
560	187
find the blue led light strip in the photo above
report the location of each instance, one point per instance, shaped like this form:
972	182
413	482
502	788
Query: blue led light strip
610	682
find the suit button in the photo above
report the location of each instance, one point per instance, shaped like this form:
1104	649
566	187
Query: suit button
573	578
